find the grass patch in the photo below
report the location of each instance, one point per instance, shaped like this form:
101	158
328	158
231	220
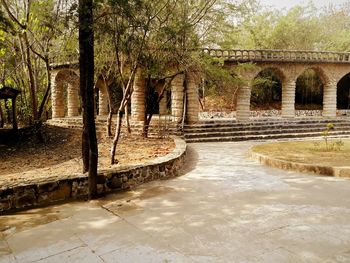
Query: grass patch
306	152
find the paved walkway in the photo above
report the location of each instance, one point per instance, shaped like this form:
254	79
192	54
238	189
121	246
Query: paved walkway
226	208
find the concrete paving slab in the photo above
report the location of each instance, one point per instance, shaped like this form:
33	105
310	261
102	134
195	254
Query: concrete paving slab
225	208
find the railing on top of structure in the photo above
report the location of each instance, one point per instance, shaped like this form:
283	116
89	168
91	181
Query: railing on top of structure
242	55
245	55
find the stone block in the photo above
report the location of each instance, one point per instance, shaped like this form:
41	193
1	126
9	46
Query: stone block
80	188
25	196
62	191
6	204
47	187
116	183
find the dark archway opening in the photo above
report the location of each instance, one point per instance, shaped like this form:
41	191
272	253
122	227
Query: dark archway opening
309	91
267	91
116	93
343	93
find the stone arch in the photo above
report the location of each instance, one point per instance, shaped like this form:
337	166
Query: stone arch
311	83
103	106
65	80
343	93
268	88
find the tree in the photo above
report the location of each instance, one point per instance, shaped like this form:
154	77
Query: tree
86	62
29	47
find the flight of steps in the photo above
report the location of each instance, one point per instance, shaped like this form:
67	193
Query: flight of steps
263	129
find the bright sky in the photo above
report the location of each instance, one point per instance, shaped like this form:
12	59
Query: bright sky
291	3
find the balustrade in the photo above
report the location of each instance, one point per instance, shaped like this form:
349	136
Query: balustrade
278	55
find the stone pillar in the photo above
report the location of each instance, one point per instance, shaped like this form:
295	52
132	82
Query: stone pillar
138	97
243	103
288	98
57	96
102	98
192	99
163	107
177	95
73	100
330	99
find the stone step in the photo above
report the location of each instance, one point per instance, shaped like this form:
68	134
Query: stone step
233	123
258	132
340	134
344	125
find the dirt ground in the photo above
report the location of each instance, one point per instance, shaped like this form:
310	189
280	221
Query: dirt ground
61	150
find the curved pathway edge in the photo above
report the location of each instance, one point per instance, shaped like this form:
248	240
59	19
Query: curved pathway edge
301	167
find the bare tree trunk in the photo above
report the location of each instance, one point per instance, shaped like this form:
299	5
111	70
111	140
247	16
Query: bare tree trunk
147	122
117	136
48	89
31	78
86	61
127	118
127	91
110	112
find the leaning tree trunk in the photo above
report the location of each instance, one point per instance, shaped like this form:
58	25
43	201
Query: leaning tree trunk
48	88
110	112
127	119
86	62
117	135
31	78
127	91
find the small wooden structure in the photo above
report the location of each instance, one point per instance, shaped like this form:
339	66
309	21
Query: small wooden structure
5	94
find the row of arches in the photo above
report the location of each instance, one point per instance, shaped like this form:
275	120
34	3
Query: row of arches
266	93
66	96
274	87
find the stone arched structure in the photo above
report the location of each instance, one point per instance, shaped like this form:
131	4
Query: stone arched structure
331	66
179	92
290	65
65	77
62	79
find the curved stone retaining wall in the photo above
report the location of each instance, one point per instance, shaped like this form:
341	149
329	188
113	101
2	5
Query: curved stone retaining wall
301	167
38	193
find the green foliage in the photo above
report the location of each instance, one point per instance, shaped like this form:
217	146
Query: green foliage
309	90
328	146
267	90
302	27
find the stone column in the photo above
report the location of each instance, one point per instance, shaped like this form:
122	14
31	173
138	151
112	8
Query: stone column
102	98
163	107
73	100
243	103
177	95
192	99
138	97
330	99
57	96
288	98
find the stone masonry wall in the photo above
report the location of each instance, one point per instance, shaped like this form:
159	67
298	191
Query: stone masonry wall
35	193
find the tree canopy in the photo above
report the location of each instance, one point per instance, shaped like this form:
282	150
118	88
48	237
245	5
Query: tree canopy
151	34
